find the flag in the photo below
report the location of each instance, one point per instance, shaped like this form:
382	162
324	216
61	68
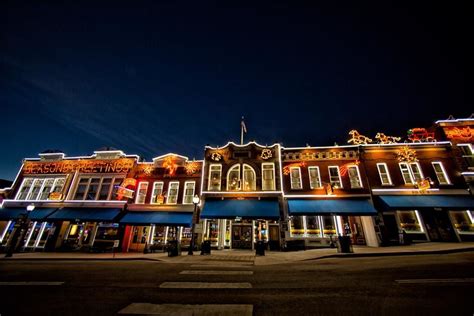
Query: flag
242	125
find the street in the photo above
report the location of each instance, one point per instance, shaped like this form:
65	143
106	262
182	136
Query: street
389	285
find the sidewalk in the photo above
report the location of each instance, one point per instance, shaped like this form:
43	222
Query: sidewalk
247	257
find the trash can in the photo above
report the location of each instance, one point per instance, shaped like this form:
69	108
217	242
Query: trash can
344	244
260	248
206	247
173	248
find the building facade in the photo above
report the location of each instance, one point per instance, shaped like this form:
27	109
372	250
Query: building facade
382	191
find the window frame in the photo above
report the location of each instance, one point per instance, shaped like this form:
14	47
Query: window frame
387	173
184	191
339	176
273	187
410	174
169	190
231	169
209	177
153	195
361	185
443	171
300	180
138	191
113	178
254	187
318	178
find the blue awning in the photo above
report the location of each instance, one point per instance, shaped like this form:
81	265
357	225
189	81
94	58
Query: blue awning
241	208
85	214
336	207
157	217
17	212
428	201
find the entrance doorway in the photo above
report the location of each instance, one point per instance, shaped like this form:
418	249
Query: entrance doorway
439	226
241	236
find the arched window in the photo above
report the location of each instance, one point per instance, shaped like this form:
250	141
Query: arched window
250	177
233	178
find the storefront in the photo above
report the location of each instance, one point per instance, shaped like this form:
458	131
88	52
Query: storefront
428	217
39	229
93	228
154	229
239	224
317	223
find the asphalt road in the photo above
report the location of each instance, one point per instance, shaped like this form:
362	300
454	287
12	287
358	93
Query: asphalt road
409	285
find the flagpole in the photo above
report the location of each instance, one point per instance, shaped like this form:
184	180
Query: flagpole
241	134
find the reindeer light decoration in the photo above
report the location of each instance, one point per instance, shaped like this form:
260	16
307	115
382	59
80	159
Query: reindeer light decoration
358	139
384	139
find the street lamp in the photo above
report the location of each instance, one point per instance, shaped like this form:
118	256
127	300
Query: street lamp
22	223
196	201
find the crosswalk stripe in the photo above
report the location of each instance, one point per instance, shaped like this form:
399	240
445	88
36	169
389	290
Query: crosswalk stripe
233	266
183	309
29	283
205	285
425	281
216	272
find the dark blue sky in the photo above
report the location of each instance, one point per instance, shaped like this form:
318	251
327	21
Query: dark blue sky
170	76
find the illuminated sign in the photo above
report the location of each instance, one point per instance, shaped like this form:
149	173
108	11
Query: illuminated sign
462	134
83	166
55	196
124	192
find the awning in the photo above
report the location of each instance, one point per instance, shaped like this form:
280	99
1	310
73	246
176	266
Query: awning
241	208
157	217
18	212
427	201
336	207
85	214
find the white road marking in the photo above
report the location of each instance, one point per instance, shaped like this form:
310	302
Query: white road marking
191	310
30	283
426	281
216	272
221	266
205	285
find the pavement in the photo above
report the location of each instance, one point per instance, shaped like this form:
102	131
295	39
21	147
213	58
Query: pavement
247	257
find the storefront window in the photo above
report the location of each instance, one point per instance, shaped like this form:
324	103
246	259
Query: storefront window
312	226
212	231
32	234
107	232
47	231
329	227
297	228
409	221
6	229
463	221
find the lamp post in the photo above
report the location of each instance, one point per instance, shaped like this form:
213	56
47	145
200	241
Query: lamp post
196	201
22	224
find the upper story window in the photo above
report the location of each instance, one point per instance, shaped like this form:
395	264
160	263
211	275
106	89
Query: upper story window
354	177
295	176
188	192
141	192
383	173
314	177
39	188
440	173
173	193
233	178
157	192
268	176
215	172
97	188
250	179
410	172
335	177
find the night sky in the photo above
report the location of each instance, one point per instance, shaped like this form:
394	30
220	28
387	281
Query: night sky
170	76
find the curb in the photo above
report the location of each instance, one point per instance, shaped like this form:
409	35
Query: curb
80	259
391	254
